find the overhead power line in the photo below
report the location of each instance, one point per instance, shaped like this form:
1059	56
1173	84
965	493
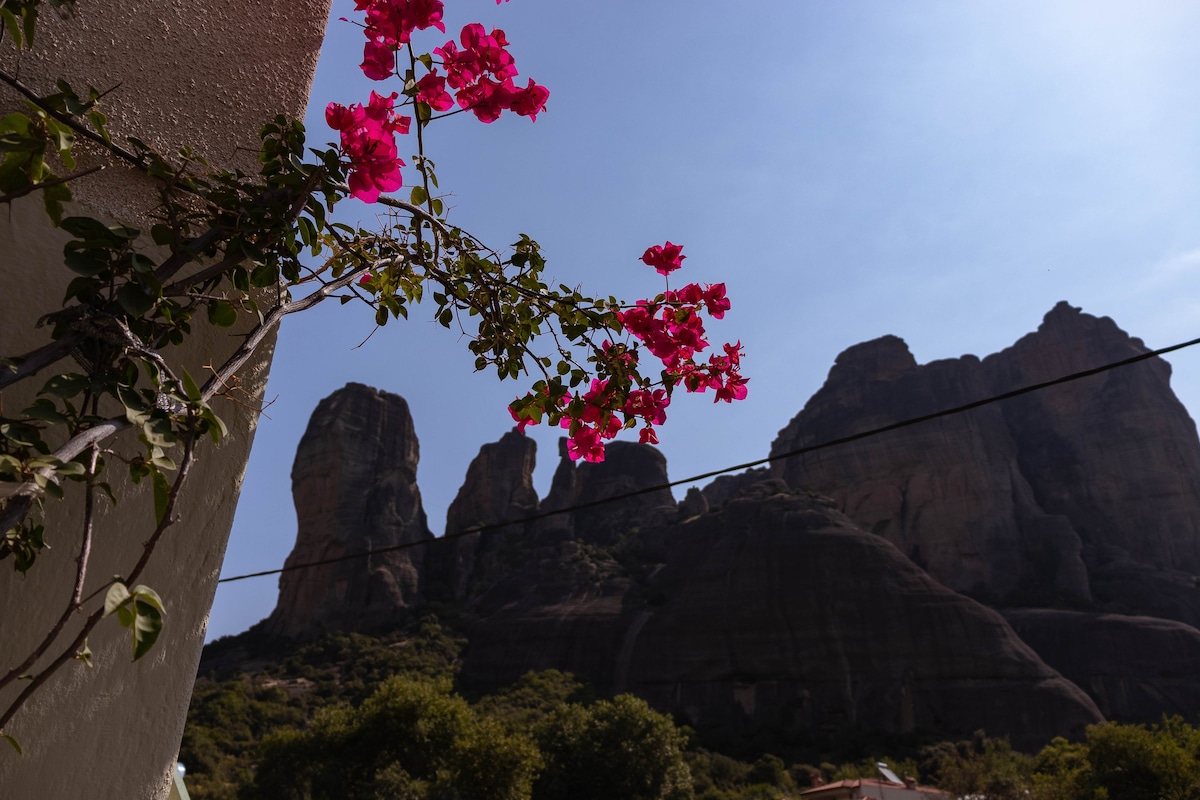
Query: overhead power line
799	451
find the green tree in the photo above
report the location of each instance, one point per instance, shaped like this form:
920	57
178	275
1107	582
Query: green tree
984	767
534	697
1135	762
619	748
413	738
1062	772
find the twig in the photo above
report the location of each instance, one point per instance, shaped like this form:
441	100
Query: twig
10	196
70	122
76	595
20	496
147	550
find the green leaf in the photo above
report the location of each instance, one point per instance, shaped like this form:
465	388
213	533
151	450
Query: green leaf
16	745
86	262
147	624
216	426
222	313
190	388
264	275
240	279
100	124
66	385
93	230
44	410
118	595
134	299
418	196
162	234
85	654
54	197
162	494
13	26
30	20
144	594
140	263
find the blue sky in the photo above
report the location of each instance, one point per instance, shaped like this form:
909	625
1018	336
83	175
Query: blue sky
942	171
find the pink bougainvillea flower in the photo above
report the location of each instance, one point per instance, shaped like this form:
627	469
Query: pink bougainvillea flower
432	90
368	141
585	443
381	110
715	300
734	388
647	436
489	50
379	61
530	101
665	258
522	422
393	21
649	405
486	98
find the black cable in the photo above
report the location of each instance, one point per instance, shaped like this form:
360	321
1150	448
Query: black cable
1074	376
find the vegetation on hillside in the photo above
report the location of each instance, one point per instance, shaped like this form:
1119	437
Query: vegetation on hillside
357	717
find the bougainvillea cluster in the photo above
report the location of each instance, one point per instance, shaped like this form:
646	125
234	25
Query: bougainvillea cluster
368	140
481	75
478	74
670	327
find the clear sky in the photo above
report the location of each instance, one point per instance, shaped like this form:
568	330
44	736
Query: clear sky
939	170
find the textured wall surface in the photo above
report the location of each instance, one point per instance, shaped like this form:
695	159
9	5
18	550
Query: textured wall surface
207	74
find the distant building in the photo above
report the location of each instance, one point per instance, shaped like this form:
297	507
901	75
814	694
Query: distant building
874	789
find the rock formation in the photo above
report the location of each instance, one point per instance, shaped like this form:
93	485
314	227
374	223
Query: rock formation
1135	668
498	489
1051	498
833	589
773	613
354	482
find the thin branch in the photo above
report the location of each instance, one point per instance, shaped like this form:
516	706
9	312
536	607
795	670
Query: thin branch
148	546
10	196
35	361
76	595
85	549
215	270
70	122
256	337
21	496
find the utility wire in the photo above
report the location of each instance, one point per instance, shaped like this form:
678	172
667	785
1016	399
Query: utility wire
799	451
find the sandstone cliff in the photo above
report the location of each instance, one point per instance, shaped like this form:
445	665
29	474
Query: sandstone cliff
1053	498
354	482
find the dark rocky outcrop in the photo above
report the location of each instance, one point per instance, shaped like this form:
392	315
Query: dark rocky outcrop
498	489
1052	498
775	613
354	482
828	591
1135	668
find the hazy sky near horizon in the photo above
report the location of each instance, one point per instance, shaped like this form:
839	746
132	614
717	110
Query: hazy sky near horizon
942	171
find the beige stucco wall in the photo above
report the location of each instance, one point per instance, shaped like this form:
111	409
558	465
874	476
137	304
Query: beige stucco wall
207	74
